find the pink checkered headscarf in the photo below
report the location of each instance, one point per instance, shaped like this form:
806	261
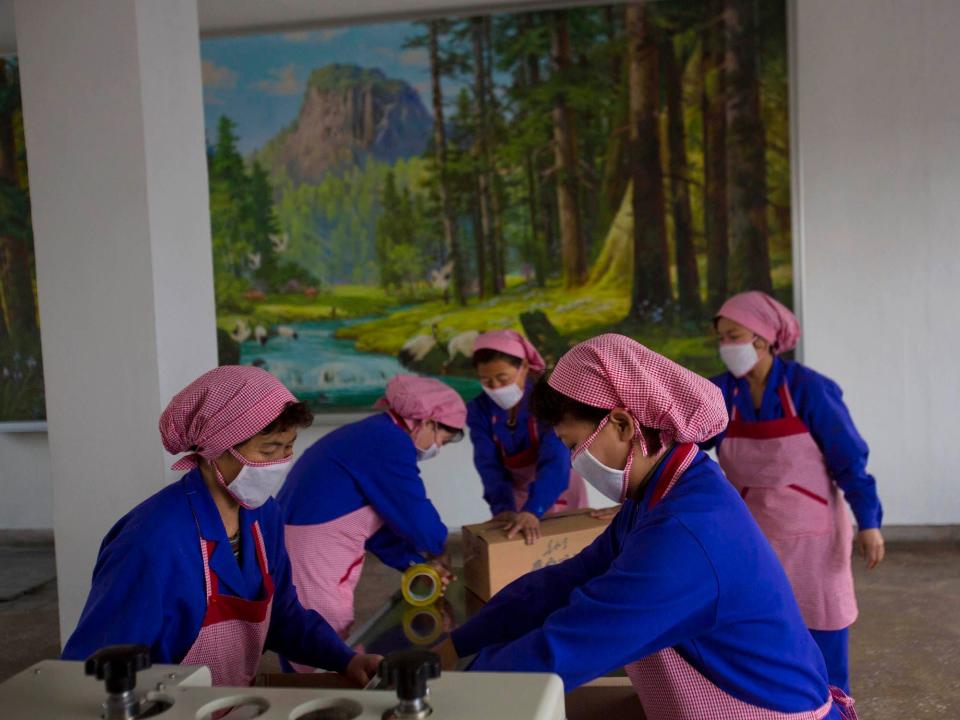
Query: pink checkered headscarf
220	409
761	314
612	371
512	343
419	398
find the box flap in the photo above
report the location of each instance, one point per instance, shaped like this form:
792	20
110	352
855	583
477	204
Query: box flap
493	533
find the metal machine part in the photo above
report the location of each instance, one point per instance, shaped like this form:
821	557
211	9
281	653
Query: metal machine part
409	672
118	666
55	690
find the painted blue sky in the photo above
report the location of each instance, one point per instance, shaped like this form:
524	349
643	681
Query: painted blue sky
258	80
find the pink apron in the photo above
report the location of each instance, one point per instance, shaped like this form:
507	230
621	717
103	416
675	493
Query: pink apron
781	475
670	688
522	467
326	561
234	630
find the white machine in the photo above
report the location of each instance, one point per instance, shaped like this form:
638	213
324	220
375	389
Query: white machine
60	690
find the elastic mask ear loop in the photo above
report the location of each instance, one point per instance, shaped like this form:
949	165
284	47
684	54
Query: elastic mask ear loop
219	475
252	463
639	438
593	436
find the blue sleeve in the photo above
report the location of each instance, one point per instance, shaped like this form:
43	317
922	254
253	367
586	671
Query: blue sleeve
524	604
392	549
296	633
646	601
553	474
845	452
395	490
497	483
124	606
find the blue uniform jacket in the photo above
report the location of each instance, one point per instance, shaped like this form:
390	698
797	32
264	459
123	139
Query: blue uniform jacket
695	573
488	424
370	462
148	585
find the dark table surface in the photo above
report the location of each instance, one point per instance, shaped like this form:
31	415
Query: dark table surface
399	625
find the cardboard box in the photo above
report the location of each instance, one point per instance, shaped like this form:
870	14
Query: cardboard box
606	698
491	561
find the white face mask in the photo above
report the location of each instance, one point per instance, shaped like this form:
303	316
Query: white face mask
431	452
739	359
257	482
507	396
428	454
611	483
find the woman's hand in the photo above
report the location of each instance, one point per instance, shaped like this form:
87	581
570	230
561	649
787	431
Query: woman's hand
362	669
526	523
443	570
870	545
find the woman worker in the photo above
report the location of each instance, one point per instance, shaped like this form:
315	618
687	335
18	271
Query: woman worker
199	572
359	489
682	588
524	467
789	449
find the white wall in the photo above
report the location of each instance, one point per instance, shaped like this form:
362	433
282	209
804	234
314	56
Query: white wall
878	117
452	483
878	126
27	500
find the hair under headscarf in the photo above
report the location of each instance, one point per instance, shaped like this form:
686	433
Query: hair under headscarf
219	410
511	343
764	316
613	371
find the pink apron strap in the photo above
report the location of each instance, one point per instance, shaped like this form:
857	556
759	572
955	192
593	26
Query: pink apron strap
209	577
734	413
844	703
789	409
526	457
398	421
676	466
261	548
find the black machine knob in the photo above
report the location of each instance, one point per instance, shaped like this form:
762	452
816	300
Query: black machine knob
409	670
118	666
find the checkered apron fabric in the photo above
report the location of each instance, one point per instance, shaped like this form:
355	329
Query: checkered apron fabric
670	688
780	472
219	410
613	371
326	561
234	630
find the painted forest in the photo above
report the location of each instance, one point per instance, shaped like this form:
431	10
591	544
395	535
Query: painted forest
621	167
21	372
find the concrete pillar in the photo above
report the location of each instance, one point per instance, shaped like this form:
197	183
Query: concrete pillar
114	131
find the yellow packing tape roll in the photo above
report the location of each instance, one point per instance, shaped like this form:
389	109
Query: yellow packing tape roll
422	625
421	585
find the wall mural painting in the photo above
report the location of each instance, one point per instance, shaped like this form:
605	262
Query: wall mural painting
382	193
21	369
